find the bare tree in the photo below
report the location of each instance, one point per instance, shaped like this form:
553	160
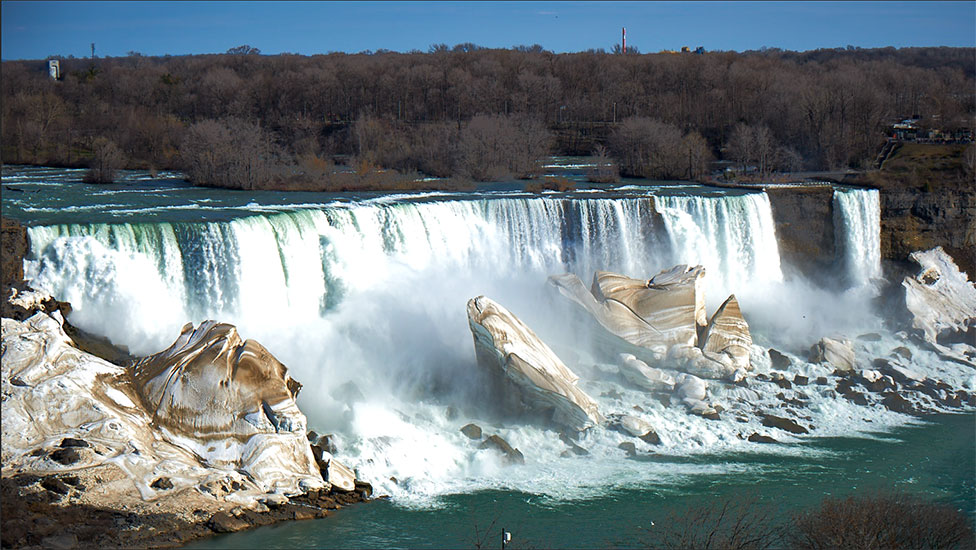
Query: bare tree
494	148
106	160
229	153
648	148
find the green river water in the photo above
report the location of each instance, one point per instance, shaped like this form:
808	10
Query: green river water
936	459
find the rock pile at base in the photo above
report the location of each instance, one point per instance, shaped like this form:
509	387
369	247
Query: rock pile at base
837	353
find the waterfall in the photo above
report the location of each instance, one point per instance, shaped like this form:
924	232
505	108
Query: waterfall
857	230
298	265
732	236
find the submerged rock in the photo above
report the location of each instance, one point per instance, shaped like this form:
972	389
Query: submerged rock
628	447
506	345
781	423
837	353
471	431
758	438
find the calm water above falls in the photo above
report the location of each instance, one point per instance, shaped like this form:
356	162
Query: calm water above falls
370	290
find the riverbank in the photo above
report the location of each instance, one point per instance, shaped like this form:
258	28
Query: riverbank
81	508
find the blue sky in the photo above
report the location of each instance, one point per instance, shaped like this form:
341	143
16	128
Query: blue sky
37	29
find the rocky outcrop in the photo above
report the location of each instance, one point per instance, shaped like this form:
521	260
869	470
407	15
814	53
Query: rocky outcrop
837	353
657	313
202	437
659	321
211	389
728	333
209	405
14	246
505	345
942	304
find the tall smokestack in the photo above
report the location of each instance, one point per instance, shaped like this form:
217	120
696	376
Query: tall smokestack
623	40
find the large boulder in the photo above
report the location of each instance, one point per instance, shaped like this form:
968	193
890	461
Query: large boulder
212	389
657	313
209	408
639	373
506	345
728	333
942	302
837	353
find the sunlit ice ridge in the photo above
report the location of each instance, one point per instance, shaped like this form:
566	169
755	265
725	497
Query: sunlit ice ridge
363	298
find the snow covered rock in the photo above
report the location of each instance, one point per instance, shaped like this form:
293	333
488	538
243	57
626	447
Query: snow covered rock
209	408
228	401
661	312
503	342
728	333
941	300
640	374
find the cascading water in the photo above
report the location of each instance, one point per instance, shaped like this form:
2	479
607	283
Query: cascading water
857	227
299	264
733	237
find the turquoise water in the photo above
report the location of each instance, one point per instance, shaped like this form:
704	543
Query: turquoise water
936	459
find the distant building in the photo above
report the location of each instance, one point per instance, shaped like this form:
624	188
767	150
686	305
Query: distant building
54	69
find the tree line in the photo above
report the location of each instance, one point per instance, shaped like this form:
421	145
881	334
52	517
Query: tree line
477	113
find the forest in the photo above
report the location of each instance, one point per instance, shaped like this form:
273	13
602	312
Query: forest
341	121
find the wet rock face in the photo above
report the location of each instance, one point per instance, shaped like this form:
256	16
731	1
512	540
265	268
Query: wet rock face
471	431
512	455
506	346
779	360
786	424
14	245
804	226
